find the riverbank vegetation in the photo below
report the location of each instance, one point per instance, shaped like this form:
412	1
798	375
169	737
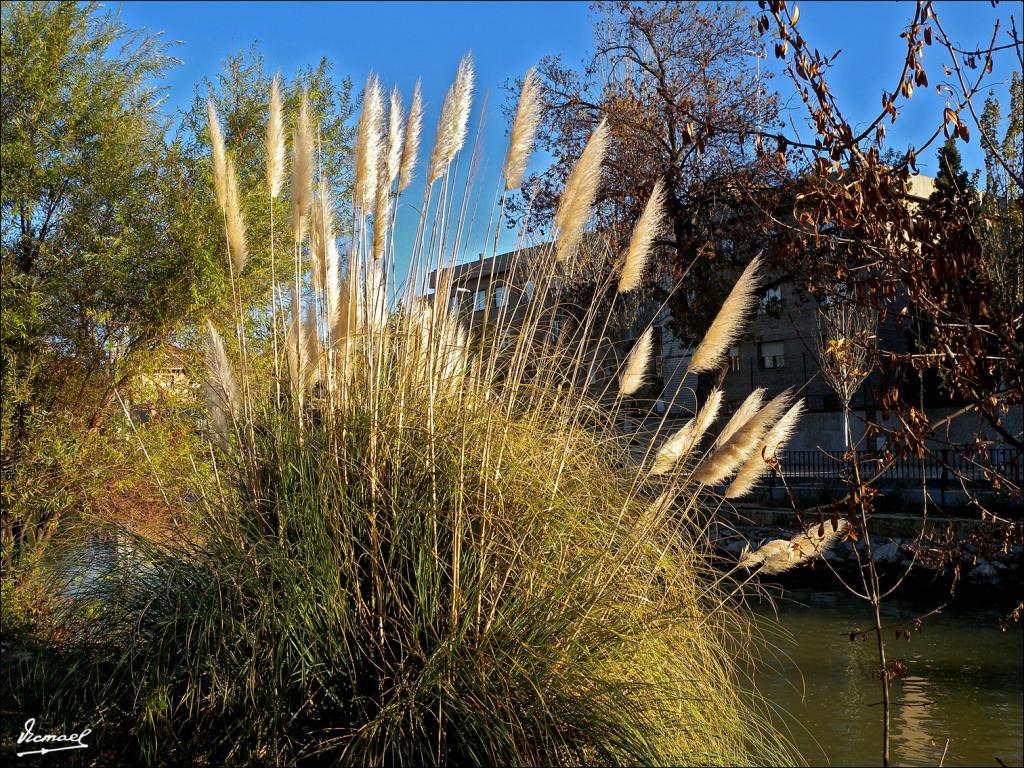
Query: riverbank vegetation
418	535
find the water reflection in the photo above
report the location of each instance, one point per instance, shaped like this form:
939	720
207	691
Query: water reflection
965	684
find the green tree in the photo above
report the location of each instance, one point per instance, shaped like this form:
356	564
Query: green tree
97	264
686	100
1002	202
240	93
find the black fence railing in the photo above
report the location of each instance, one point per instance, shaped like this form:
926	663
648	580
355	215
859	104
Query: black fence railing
944	466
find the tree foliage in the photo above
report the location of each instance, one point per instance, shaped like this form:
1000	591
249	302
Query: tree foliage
685	100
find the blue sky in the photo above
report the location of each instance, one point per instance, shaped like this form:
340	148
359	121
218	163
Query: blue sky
403	41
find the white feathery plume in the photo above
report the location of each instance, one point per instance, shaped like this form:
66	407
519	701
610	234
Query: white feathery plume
381	213
303	354
394	156
332	282
580	193
682	442
321	236
636	364
218	154
311	349
757	465
219	387
368	147
376	309
727	457
728	322
454	120
234	220
647	228
747	409
302	170
275	140
782	554
524	130
340	318
411	145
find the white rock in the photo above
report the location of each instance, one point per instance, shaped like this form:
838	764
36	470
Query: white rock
887	553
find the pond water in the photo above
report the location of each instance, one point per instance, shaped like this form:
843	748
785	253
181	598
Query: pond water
965	683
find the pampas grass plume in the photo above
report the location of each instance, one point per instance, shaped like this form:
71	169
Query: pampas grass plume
219	386
275	140
524	130
636	364
747	408
451	127
682	442
394	156
647	228
368	146
411	145
218	154
768	450
234	220
381	213
728	456
302	170
580	192
782	554
322	236
728	322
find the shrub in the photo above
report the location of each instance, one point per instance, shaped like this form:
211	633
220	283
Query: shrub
429	540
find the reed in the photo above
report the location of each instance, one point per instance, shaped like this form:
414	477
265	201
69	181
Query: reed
411	143
580	192
436	545
524	130
726	326
640	244
275	140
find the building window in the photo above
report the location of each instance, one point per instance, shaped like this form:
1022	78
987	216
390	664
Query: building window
500	295
771	301
772	354
734	359
481	300
528	291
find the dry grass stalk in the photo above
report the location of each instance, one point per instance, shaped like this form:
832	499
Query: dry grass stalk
368	146
647	228
728	322
218	155
758	463
411	145
524	130
275	140
635	372
679	445
302	171
580	193
781	555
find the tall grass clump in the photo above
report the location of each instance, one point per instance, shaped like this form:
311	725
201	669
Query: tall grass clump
430	541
